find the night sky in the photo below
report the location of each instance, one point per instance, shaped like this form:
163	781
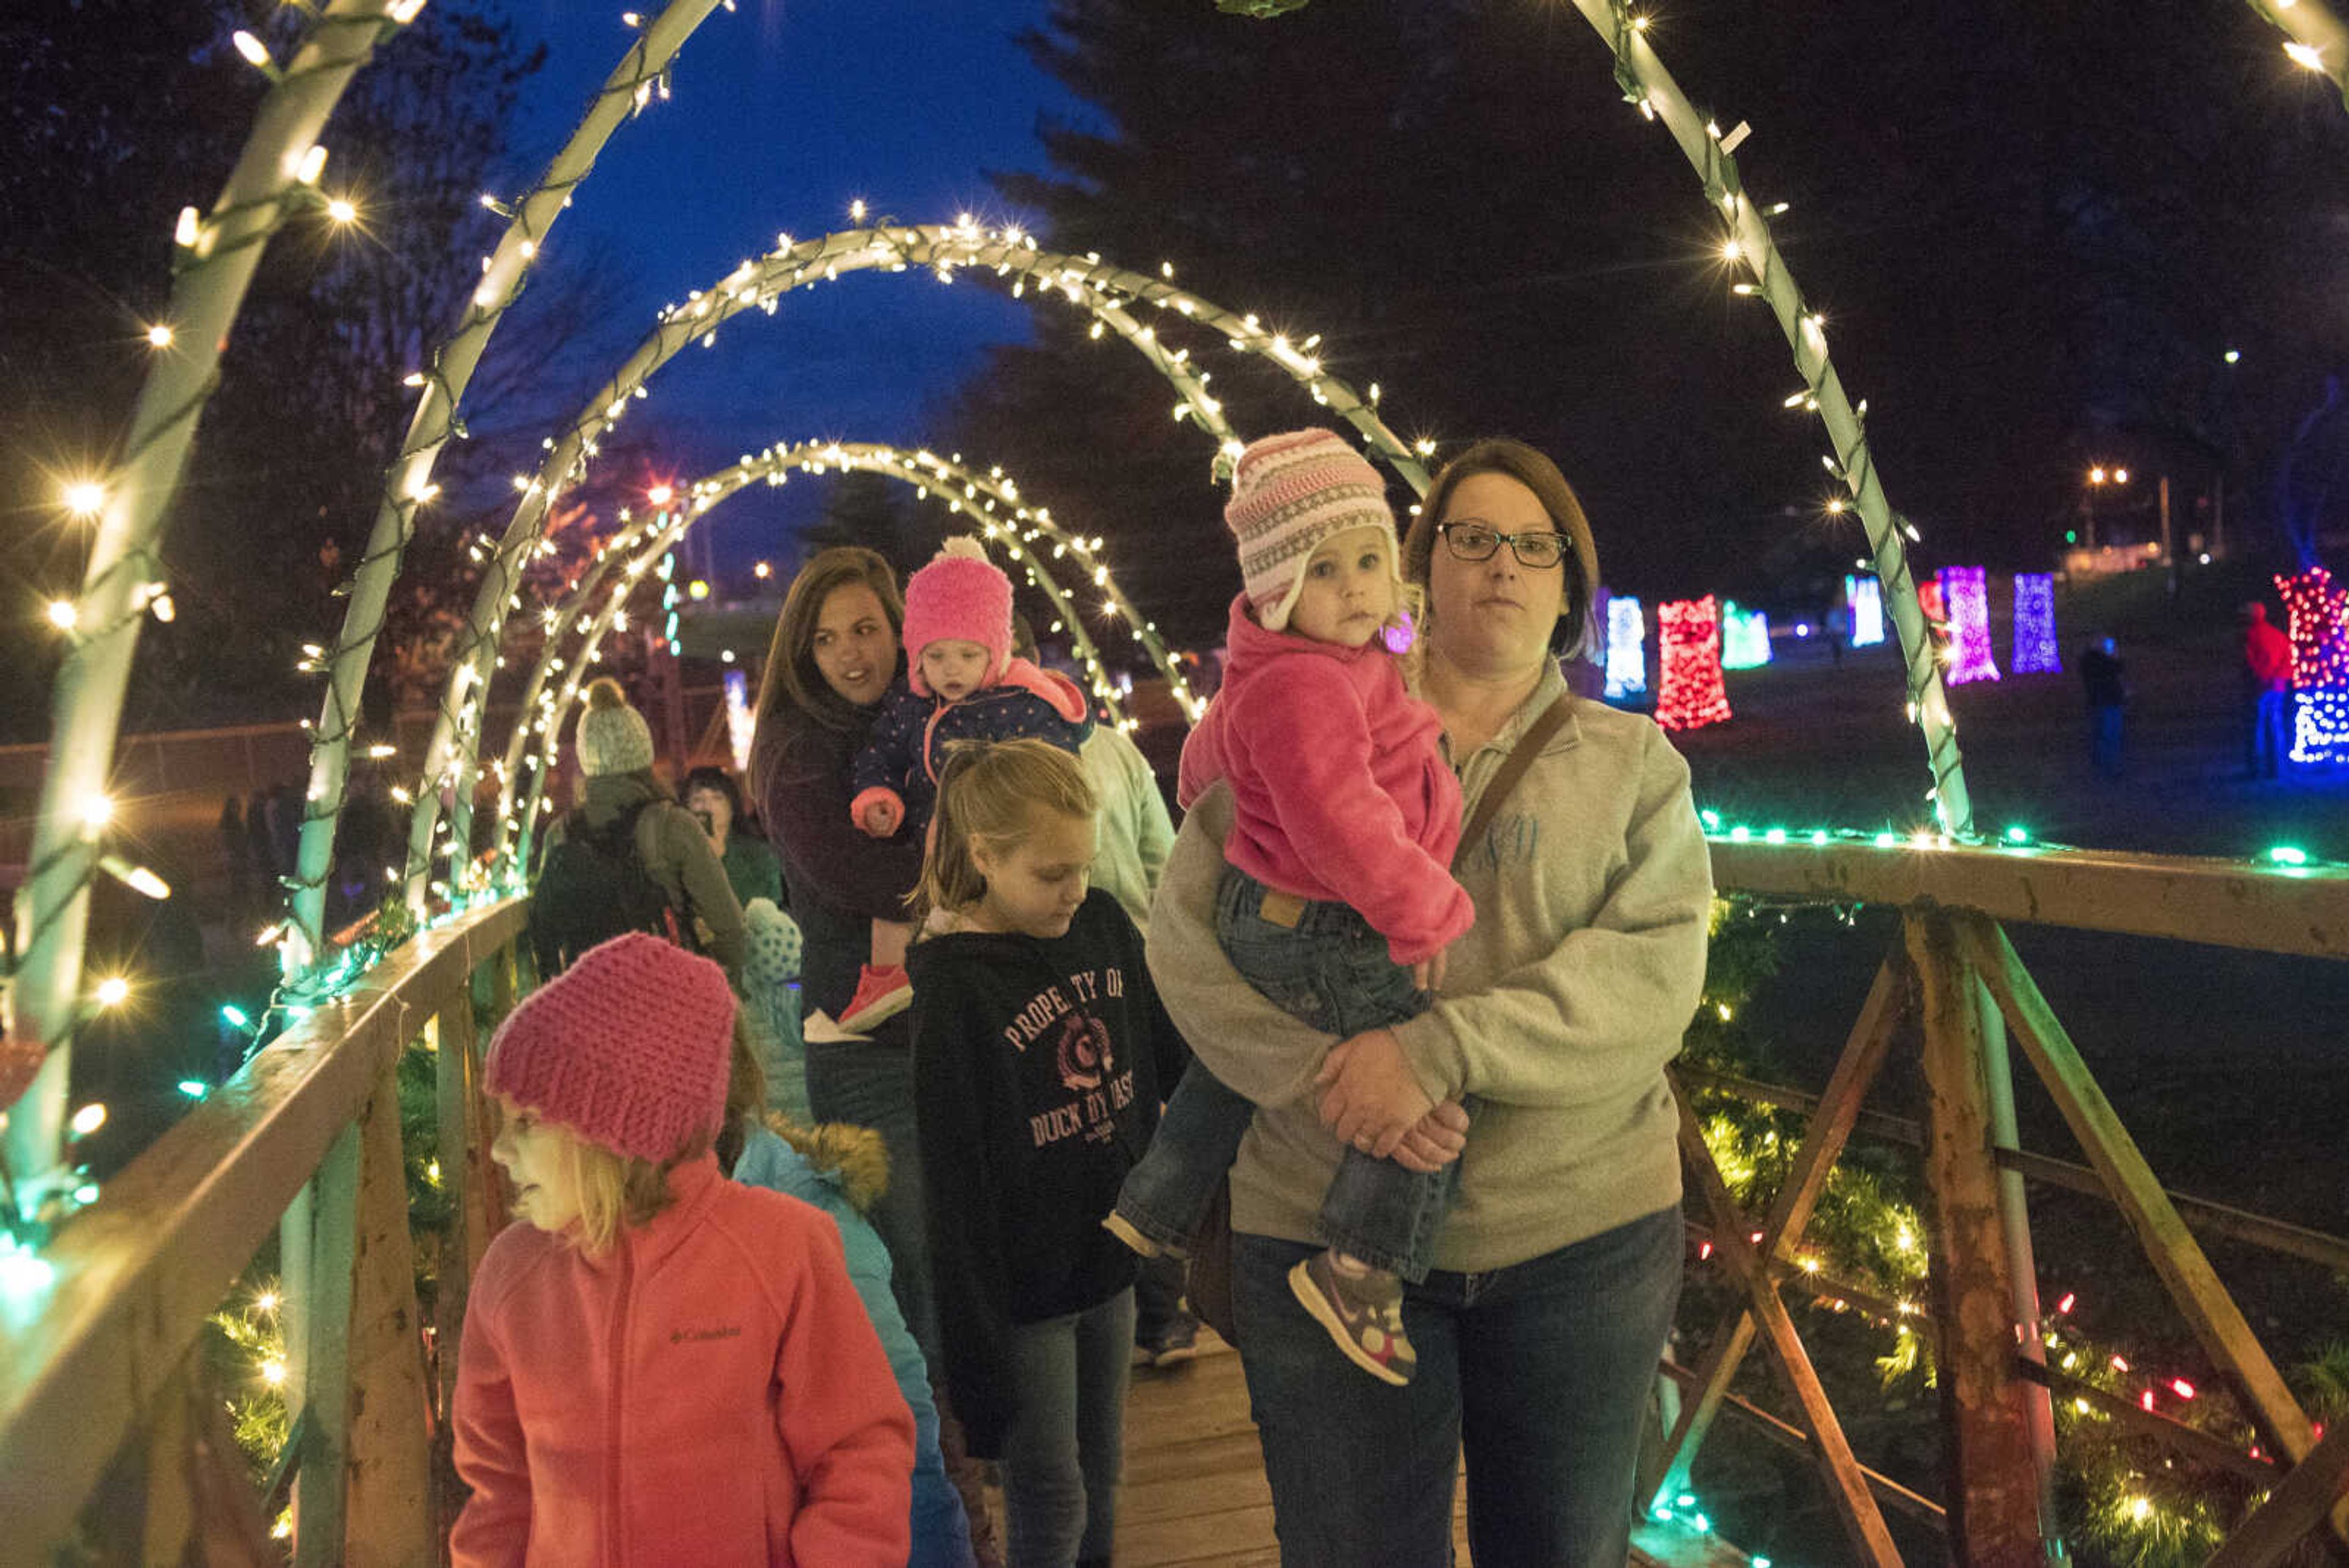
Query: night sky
783	114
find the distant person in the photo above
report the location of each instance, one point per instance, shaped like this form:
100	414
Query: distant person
2267	693
236	855
261	851
629	858
752	867
2106	681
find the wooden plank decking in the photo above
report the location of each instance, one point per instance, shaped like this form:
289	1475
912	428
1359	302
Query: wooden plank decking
1196	1494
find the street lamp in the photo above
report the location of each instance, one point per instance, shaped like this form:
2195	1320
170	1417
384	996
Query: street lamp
2098	477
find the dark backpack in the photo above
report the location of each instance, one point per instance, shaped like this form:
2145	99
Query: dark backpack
592	887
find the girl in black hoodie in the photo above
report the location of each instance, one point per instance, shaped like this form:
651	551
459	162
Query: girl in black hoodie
1040	1056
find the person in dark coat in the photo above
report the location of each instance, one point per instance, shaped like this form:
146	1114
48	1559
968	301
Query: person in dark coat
2105	679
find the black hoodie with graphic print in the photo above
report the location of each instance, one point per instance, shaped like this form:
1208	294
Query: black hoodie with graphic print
1038	1067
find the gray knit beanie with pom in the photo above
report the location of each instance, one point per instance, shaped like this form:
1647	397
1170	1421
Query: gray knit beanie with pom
613	737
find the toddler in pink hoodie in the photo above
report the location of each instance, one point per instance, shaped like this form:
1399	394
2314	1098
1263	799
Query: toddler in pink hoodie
1338	900
659	1366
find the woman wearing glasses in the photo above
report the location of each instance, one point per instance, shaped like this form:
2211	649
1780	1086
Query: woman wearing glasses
1539	1328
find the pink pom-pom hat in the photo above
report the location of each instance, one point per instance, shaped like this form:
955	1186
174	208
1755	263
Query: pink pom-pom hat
960	597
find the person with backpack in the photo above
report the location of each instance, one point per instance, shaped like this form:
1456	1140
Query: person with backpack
629	858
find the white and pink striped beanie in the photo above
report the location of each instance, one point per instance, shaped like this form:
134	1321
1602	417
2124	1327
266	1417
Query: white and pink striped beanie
1290	493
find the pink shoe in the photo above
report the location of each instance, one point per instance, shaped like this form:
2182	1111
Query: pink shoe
881	995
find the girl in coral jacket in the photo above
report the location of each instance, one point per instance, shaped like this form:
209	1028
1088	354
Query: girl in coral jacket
1041	1054
660	1366
1337	900
962	683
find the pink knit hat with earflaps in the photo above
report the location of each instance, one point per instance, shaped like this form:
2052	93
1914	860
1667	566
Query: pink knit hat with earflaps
1292	492
960	597
630	1048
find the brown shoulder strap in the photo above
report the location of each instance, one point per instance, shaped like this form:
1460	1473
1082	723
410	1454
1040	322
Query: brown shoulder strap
1513	768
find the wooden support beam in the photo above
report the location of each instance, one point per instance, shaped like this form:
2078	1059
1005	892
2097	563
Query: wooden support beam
1848	1488
1794	1439
2223	903
1823	1143
471	1191
321	1233
2316	1486
388	1521
1993	1476
2169	1245
2201	1213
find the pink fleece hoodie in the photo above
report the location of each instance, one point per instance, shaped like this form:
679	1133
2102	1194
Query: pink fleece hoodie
709	1392
1340	786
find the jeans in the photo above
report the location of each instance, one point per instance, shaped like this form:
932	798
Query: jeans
2268	740
1065	1448
1331	971
2105	730
1158	1300
870	1084
1540	1370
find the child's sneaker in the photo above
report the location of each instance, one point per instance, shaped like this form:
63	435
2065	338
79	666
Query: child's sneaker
1170	1346
1362	1311
881	995
1119	1226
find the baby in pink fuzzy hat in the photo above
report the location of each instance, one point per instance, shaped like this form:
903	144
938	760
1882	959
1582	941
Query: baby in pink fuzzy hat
962	683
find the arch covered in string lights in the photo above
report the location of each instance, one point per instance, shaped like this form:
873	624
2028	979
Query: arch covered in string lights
990	500
1116	297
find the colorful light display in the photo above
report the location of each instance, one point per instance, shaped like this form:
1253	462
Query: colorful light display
2034	624
1745	636
1689	651
1627	648
1965	595
740	722
1929	599
1864	595
2317	617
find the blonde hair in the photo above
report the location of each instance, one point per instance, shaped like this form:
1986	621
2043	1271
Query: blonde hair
616	1191
604	693
992	791
1409	603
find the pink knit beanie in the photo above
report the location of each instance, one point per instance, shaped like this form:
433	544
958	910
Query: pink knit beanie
1290	493
960	597
630	1048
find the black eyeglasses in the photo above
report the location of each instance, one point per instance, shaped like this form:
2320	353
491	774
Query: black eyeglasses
1477	541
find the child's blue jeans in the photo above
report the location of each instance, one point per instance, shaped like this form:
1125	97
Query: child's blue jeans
1331	970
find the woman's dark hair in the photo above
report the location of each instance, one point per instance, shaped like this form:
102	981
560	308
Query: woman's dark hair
792	681
1536	473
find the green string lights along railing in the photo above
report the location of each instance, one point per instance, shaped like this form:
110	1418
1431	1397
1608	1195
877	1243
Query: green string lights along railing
215	256
1104	291
1747	244
408	485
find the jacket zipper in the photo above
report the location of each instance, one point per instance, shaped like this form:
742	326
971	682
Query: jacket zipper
616	1553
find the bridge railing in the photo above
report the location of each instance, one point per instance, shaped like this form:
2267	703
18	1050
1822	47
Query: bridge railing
115	1445
1954	995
